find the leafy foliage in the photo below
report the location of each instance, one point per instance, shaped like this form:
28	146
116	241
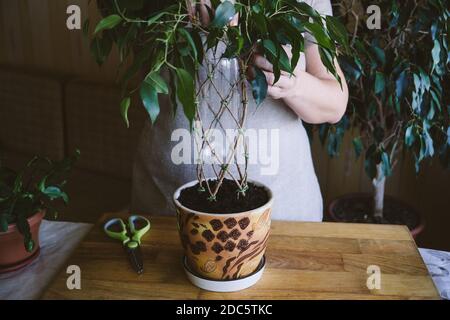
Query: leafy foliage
398	79
24	193
167	41
163	37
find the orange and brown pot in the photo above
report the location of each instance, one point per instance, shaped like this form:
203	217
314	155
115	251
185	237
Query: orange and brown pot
13	254
223	246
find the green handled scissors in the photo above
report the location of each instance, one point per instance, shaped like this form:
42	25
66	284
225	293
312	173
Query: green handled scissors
131	237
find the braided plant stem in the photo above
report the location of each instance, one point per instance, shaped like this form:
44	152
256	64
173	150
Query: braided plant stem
204	130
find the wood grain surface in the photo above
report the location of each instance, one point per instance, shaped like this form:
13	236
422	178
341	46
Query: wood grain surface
304	261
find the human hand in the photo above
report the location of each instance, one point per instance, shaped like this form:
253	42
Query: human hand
286	86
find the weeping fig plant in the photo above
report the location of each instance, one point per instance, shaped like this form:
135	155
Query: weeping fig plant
398	79
161	38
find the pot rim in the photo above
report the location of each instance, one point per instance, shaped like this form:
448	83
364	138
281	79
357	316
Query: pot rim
415	231
267	205
38	216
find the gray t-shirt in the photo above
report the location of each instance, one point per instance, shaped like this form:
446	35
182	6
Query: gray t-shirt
283	162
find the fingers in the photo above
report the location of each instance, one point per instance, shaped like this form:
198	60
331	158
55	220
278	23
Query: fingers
190	9
275	92
262	63
203	11
285	81
235	21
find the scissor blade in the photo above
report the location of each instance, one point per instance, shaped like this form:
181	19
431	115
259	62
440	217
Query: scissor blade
135	257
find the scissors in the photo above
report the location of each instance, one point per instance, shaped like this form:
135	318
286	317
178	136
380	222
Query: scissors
130	237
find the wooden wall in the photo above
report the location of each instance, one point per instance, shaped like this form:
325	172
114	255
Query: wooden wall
33	35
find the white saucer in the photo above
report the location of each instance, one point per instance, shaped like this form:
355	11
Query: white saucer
225	285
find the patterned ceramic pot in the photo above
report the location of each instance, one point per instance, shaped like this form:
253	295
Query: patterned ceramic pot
223	246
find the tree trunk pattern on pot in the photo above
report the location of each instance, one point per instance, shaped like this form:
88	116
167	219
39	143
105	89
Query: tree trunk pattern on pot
224	246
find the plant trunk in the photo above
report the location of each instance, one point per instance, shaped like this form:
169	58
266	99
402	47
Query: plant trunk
378	201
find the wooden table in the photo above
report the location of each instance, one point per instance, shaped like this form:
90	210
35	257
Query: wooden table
304	261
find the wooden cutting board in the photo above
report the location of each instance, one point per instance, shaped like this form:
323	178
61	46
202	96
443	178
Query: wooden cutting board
304	261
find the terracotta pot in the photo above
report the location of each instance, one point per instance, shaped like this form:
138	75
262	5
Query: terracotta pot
223	246
331	209
13	254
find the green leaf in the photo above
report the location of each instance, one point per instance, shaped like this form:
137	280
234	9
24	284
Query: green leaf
337	30
379	54
277	54
429	144
211	39
350	69
124	106
259	86
260	22
379	83
307	9
41	184
157	82
328	61
358	146
198	44
224	14
53	192
319	34
409	136
149	97
29	245
187	36
236	43
400	85
18	183
155	18
435	98
386	164
186	93
448	136
436	53
108	23
294	38
256	8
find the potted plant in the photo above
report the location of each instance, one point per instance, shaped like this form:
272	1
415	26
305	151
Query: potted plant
25	198
223	217
398	76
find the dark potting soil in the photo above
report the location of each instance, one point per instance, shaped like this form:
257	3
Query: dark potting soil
228	200
359	210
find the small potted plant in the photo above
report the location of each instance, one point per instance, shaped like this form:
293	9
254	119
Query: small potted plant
398	78
25	198
223	217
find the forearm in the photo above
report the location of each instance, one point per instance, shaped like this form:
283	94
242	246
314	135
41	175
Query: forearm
314	95
317	100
